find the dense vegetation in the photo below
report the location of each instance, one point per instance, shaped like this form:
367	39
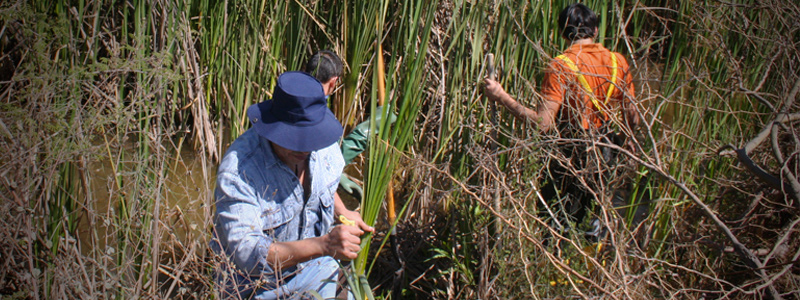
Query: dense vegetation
114	113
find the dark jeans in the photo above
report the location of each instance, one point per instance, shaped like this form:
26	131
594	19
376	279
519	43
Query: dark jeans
583	170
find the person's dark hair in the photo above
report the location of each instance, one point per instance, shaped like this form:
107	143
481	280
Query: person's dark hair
324	65
577	22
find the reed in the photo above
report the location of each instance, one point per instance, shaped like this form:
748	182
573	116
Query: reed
106	103
356	20
85	76
245	47
713	104
387	145
521	38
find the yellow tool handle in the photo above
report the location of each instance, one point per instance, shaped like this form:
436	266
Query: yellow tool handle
346	221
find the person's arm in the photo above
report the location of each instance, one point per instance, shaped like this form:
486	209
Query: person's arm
544	117
339	209
629	103
342	242
238	224
239	227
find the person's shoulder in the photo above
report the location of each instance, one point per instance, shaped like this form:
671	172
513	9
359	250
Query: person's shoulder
561	64
621	59
249	141
248	148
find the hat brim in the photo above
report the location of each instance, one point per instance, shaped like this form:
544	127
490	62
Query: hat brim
293	137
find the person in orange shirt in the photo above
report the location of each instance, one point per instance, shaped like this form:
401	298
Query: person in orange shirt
587	91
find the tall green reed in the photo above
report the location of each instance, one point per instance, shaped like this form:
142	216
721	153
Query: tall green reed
358	43
246	45
712	64
411	23
87	77
523	37
118	68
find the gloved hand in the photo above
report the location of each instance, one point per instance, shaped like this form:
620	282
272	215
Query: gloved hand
355	143
351	187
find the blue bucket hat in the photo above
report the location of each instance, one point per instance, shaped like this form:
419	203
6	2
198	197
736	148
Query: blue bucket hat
297	118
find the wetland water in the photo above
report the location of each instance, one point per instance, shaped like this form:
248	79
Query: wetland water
182	206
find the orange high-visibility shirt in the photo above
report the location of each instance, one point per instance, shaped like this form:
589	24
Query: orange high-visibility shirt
594	62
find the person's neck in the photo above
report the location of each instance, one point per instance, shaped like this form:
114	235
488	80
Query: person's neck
299	168
329	86
586	41
289	159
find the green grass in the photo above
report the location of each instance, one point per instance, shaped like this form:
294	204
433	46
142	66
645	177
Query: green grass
100	102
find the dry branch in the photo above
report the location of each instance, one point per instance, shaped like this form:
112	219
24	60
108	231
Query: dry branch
791	186
563	267
744	253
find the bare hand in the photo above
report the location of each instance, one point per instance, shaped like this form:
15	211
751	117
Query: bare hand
492	89
356	217
343	242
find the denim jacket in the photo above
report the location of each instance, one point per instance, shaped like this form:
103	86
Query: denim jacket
259	200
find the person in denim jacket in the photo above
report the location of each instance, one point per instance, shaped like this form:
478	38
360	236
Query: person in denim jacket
276	199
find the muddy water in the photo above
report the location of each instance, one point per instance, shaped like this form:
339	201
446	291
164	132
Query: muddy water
189	197
183	205
185	201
